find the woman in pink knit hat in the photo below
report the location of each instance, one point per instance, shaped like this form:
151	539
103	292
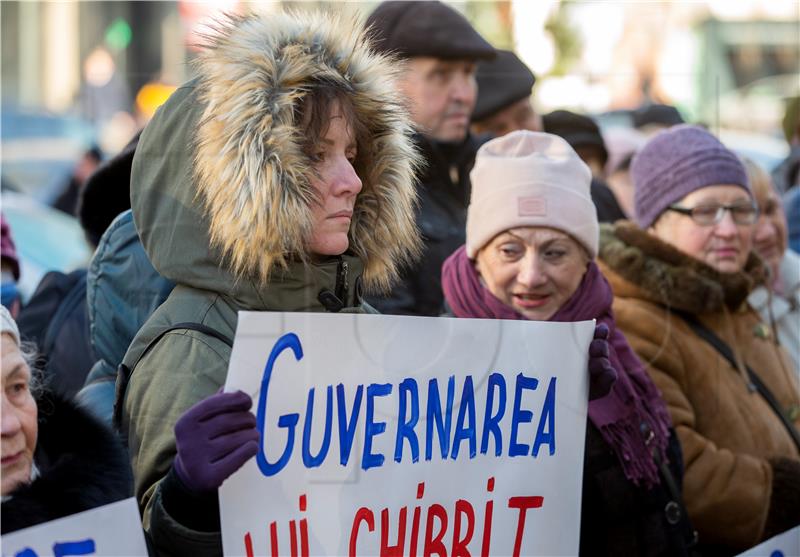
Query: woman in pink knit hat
681	276
532	236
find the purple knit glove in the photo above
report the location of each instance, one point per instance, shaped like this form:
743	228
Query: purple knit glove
602	374
215	437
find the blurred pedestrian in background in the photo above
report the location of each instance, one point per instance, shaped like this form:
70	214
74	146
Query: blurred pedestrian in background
292	190
107	193
504	102
56	317
538	264
791	203
777	301
9	266
57	460
787	174
622	144
681	276
67	200
56	320
583	135
651	118
440	50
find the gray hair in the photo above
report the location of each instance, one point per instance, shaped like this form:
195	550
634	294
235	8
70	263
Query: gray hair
32	358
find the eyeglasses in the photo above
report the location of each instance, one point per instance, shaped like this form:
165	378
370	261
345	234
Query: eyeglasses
708	215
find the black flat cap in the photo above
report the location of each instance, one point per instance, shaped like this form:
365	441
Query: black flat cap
578	130
425	29
501	82
660	114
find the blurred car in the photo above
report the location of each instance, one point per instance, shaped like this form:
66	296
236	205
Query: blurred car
622	117
765	150
46	239
38	150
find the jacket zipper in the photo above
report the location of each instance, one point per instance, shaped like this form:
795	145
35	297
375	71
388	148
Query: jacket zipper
341	287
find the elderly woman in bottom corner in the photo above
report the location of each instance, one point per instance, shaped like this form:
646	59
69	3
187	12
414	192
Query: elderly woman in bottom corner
681	276
56	459
532	236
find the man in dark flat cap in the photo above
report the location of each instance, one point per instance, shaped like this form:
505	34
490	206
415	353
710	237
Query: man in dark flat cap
440	50
504	104
652	118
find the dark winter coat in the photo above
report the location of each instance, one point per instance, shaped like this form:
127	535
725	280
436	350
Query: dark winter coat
57	320
444	193
619	519
82	465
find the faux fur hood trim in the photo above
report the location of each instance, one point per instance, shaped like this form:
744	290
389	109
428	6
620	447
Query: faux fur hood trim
252	176
665	275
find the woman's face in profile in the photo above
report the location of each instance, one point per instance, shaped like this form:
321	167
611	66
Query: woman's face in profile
337	186
19	415
532	269
770	236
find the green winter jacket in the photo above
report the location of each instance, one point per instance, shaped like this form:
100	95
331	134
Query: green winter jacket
220	191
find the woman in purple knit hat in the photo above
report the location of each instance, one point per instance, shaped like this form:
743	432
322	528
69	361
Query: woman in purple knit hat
532	236
681	275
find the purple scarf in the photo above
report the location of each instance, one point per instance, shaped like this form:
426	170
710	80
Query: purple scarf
634	400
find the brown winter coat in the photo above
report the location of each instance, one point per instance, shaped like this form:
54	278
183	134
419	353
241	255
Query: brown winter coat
742	470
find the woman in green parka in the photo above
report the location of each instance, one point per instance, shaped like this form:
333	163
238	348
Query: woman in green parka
281	178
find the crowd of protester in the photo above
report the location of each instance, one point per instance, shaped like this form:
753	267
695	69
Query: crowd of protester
403	169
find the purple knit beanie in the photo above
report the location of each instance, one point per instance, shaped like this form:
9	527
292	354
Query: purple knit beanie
676	162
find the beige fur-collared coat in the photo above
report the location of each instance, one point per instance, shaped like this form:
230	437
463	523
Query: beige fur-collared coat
742	470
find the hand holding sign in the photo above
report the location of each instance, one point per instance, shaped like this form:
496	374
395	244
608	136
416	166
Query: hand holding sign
601	374
214	438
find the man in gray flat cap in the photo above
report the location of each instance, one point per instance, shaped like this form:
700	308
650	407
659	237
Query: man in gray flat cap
441	50
505	85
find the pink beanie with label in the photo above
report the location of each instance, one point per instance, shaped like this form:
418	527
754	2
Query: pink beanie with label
530	179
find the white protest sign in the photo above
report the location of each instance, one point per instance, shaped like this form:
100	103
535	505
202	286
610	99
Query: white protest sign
408	436
110	530
783	545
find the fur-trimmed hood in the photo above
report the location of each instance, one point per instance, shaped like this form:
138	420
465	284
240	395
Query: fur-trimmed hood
656	271
220	185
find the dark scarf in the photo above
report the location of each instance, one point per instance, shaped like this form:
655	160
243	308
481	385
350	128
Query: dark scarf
82	465
633	408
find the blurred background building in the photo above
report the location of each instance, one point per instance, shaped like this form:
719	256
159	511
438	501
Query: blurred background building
78	79
81	73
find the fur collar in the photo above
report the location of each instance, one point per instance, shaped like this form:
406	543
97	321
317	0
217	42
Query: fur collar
252	176
82	465
665	275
